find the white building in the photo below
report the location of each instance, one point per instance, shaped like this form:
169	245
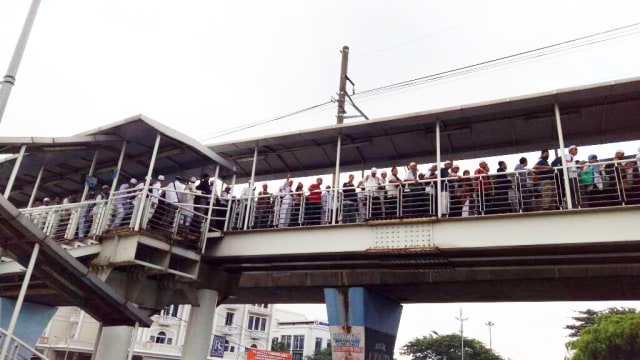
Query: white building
71	333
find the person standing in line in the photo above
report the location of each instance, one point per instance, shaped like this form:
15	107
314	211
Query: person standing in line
98	207
264	206
545	185
314	203
483	186
349	201
187	209
394	190
327	200
286	197
123	204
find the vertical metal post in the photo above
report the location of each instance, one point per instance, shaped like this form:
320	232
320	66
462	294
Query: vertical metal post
336	184
567	188
207	223
343	85
10	78
438	191
233	185
114	183
14	172
147	182
35	187
91	170
132	343
20	300
97	342
251	183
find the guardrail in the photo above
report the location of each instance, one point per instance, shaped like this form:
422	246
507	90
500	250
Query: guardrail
18	349
190	218
180	216
595	184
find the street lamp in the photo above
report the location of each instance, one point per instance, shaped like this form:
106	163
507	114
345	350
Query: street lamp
489	324
462	320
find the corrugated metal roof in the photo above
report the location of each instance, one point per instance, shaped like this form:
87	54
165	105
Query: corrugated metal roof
593	114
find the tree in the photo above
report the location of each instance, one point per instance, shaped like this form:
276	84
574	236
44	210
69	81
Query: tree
446	347
276	345
324	354
614	336
589	316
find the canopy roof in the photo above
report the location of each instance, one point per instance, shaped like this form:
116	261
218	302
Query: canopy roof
67	160
593	114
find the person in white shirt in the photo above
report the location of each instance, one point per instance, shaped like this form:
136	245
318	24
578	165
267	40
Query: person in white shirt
123	204
173	193
157	202
572	170
374	188
286	201
186	209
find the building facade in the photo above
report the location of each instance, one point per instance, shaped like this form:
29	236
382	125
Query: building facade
72	333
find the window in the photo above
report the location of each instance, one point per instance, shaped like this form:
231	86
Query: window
229	319
263	306
296	355
318	345
228	347
257	323
298	342
329	343
286	340
161	338
171	310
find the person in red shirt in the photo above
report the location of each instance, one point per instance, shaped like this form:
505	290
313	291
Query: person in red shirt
314	203
482	184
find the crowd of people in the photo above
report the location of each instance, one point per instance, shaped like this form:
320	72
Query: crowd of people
181	202
386	195
185	202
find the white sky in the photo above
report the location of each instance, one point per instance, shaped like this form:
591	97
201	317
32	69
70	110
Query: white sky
203	66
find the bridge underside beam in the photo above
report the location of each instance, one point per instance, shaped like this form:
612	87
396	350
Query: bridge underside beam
568	283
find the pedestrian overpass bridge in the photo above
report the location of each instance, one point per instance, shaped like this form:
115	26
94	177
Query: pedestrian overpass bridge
412	248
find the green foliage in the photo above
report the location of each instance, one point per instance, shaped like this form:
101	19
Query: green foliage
276	345
446	347
613	337
324	354
588	318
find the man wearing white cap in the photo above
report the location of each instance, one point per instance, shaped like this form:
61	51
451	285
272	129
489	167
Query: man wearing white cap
123	202
373	185
186	209
572	170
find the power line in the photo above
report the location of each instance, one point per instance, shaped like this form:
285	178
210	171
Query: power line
537	53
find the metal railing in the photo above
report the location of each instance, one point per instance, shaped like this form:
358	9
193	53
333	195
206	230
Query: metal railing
191	217
18	349
615	183
180	216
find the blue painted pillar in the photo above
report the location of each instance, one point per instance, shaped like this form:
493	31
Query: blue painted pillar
363	324
32	321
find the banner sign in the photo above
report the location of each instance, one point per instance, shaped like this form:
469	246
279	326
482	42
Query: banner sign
256	354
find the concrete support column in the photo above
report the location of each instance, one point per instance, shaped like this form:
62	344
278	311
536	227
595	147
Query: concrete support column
363	325
200	327
114	343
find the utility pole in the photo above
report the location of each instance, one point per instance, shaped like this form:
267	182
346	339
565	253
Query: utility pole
490	324
462	320
343	85
12	71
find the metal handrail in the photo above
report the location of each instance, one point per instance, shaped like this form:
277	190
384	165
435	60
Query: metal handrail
23	344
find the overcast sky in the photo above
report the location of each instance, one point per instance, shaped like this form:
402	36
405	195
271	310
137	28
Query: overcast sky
202	67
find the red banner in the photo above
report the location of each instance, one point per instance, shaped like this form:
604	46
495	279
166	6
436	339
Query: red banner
256	354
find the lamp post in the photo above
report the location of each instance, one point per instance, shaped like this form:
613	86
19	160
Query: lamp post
462	320
490	324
